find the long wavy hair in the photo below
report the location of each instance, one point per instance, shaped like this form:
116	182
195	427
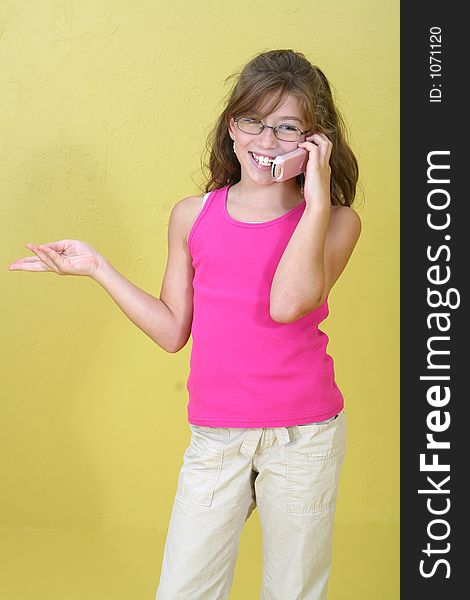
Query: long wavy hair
259	89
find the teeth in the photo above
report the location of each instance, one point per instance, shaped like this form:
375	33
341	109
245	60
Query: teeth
264	160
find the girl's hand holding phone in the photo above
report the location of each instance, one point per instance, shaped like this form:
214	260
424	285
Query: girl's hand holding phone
66	257
318	170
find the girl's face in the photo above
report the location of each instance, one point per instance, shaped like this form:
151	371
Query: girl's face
266	144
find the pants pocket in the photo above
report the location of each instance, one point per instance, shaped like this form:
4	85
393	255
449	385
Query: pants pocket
314	462
202	465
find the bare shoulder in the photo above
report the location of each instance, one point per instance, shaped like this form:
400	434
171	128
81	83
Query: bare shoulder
185	212
346	220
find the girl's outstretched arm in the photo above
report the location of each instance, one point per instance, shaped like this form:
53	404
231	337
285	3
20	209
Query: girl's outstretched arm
150	314
166	320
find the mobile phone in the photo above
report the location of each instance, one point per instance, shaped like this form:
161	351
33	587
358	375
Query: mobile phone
291	164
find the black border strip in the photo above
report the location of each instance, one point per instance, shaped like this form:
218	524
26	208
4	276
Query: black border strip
434	257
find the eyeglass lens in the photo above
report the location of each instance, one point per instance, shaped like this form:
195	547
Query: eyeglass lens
283	132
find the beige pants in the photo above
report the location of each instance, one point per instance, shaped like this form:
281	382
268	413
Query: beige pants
290	474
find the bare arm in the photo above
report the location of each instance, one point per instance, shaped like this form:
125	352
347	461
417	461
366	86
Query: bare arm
166	320
321	244
313	260
150	314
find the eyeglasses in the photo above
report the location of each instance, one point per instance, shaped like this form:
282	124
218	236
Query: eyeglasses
284	132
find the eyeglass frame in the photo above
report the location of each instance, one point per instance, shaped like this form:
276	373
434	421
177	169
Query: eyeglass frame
236	119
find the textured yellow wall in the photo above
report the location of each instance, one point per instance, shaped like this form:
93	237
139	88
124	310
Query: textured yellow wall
105	108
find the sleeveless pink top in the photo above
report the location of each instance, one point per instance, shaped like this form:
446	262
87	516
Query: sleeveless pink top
247	370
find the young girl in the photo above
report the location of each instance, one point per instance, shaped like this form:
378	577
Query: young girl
250	267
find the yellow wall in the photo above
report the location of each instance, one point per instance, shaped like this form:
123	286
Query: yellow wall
105	107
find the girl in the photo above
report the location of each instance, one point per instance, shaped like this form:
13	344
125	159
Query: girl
250	267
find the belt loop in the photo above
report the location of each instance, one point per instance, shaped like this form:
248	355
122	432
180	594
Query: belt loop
282	435
250	442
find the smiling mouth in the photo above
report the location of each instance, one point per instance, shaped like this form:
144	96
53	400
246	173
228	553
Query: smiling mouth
264	161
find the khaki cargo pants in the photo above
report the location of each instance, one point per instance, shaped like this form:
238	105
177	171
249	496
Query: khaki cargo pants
290	474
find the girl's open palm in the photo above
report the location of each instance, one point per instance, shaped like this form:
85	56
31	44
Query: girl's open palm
66	257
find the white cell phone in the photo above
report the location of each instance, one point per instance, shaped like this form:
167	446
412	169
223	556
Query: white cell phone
291	164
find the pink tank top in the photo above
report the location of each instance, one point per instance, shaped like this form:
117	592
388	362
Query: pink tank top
247	370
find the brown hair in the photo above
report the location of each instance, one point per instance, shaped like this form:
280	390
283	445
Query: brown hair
262	86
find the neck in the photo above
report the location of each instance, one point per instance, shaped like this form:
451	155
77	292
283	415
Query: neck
284	194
